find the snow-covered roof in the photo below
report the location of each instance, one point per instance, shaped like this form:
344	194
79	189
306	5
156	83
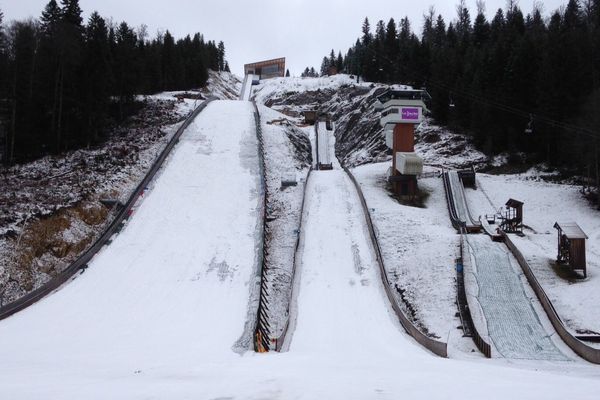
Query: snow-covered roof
571	230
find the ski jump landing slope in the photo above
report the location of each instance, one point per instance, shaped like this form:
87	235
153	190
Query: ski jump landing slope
512	323
173	288
340	302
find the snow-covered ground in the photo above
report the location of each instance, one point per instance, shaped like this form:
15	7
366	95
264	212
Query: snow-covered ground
270	88
545	203
443	148
160	312
419	247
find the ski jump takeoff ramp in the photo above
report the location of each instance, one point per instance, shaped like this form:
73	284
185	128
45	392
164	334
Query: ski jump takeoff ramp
246	93
173	287
460	214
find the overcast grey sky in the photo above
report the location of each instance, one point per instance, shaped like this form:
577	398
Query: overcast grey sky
303	31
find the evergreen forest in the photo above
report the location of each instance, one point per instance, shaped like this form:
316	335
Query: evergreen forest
524	84
63	78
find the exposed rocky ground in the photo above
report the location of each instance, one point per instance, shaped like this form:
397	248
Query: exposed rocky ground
50	209
359	137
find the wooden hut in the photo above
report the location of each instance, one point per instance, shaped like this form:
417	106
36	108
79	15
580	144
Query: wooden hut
571	246
512	222
310	116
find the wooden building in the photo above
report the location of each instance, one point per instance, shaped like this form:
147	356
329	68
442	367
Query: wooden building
310	116
571	246
512	221
266	69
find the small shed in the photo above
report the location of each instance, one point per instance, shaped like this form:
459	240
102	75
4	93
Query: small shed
571	246
310	116
512	222
468	177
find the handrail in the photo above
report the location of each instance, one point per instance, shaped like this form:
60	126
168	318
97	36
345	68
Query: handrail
586	352
281	339
262	332
115	226
436	347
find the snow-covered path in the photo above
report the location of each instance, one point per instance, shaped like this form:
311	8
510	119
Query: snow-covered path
173	287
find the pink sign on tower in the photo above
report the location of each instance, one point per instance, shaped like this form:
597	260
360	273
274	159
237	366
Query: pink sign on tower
410	114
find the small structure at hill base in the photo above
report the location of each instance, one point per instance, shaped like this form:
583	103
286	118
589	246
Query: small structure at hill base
512	220
310	116
468	177
401	110
571	246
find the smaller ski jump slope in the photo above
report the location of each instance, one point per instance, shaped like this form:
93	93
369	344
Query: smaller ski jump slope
173	287
512	323
340	307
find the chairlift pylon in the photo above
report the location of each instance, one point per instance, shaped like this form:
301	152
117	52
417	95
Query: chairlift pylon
529	128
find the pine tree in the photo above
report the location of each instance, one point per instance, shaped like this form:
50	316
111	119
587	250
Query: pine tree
50	18
367	37
221	55
325	66
168	62
97	77
287	73
70	37
22	137
124	67
339	63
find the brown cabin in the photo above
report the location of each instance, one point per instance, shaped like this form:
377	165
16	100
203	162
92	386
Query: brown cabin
513	218
571	246
310	117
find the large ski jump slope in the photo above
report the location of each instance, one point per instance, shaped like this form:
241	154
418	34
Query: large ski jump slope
174	287
166	311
